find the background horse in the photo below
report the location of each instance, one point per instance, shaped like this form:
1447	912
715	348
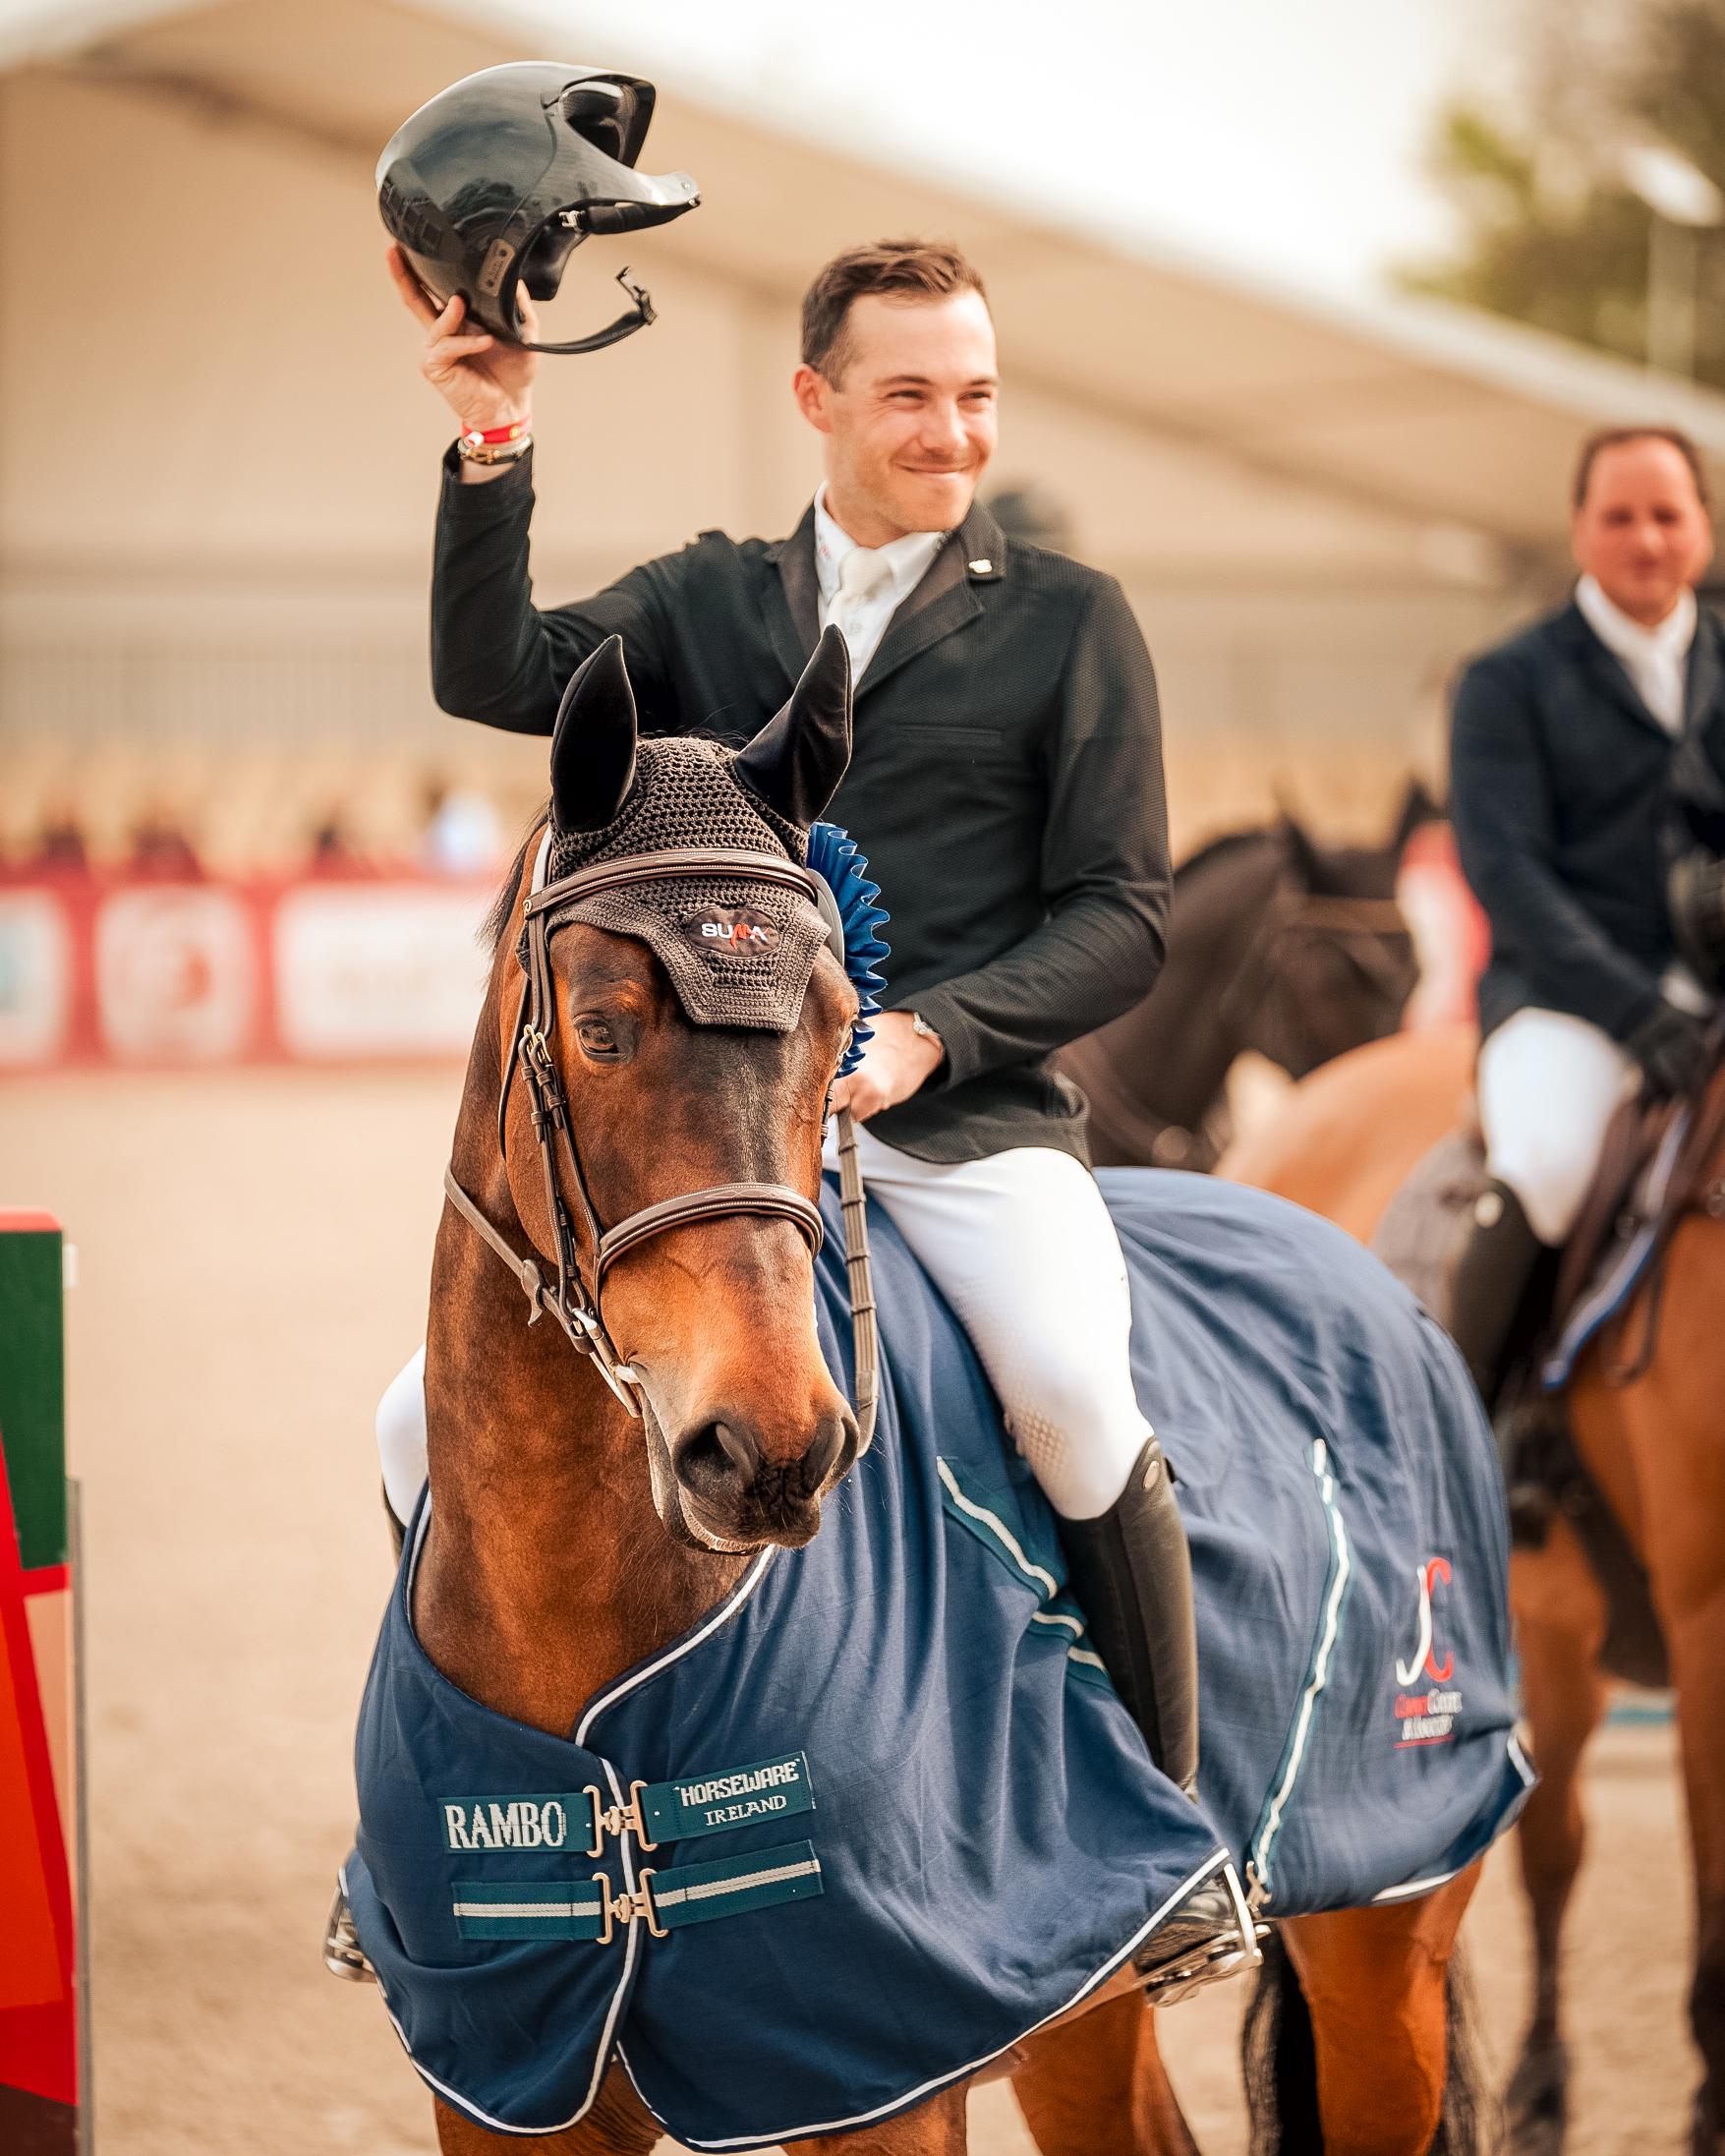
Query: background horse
1342	1143
1277	945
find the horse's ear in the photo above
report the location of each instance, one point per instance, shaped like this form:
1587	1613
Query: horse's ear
593	744
795	762
1304	856
1418	807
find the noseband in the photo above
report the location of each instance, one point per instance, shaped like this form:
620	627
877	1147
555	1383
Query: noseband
574	1306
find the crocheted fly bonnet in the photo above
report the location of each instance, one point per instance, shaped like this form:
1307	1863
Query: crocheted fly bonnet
737	952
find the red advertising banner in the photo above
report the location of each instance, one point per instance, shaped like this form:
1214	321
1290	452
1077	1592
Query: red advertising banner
154	974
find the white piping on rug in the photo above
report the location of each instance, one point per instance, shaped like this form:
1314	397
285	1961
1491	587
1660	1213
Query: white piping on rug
1410	1890
770	2139
723	1615
997	1526
1342	1566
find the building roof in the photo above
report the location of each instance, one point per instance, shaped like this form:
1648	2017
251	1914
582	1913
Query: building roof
1415	409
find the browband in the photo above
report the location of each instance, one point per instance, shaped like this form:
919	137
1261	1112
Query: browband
673	865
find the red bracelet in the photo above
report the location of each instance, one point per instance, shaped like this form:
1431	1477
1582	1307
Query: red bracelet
496	435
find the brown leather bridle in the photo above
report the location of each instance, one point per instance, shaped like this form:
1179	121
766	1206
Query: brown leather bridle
574	1306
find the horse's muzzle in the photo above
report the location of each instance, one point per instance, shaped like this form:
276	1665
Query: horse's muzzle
735	1493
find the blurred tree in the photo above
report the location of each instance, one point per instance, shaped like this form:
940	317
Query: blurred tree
1550	231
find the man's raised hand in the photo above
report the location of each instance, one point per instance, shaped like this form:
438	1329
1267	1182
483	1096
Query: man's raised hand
485	382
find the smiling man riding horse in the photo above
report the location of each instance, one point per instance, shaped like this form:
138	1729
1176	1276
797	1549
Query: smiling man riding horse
1007	785
662	1604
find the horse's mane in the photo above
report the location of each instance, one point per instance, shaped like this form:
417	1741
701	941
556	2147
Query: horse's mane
504	904
1219	848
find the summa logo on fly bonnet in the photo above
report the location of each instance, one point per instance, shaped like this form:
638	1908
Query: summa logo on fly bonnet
730	931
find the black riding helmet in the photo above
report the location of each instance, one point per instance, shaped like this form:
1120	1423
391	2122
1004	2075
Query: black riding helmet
496	180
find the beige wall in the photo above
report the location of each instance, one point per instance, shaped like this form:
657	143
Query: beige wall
217	481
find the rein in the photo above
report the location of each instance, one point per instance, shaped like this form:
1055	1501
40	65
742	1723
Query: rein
570	1301
1695	1192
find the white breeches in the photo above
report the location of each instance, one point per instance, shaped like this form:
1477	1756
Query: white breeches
1022	1247
1549	1085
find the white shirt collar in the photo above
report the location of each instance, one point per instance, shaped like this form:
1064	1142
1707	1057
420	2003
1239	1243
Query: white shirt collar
1668	640
909	557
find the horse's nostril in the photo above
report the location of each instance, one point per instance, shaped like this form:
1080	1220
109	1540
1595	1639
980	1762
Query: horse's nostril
717	1457
740	1449
817	1463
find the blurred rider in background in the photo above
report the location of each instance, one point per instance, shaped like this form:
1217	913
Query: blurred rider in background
1587	789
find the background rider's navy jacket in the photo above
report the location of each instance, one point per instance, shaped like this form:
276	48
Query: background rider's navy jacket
1568	796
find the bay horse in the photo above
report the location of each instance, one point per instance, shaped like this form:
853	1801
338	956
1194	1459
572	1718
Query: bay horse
1279	945
588	1507
1647	1427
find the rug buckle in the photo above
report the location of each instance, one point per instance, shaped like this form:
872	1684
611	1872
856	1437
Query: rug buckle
626	1908
618	1819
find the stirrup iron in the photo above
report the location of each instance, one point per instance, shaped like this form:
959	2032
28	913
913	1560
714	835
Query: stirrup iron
343	1956
1225	1953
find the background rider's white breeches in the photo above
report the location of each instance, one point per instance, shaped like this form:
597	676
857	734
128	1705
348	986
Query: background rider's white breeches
1022	1247
1549	1085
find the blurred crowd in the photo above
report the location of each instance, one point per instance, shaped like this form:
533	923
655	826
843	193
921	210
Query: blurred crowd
182	824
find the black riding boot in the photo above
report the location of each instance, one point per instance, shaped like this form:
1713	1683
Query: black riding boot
1489	1293
1498	1298
1132	1574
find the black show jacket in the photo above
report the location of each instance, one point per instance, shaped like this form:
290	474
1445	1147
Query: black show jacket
1005	780
1568	797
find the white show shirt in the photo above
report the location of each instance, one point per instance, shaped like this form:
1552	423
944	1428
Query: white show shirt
863	587
1656	660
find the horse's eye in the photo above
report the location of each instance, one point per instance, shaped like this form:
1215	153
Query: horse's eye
595	1037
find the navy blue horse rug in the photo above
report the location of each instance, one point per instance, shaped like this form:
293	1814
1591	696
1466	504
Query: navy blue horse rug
881	1814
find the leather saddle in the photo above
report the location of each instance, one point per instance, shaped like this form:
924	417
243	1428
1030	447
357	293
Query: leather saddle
1648	1176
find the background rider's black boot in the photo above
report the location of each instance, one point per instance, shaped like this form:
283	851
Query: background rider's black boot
1489	1292
1499	1295
1132	1574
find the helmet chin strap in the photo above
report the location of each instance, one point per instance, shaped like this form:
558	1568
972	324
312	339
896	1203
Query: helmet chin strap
625	325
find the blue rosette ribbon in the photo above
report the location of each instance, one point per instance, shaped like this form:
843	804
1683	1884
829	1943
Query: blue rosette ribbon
833	857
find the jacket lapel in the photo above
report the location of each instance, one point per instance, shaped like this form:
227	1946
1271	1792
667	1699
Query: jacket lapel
1604	668
1706	677
792	599
944	600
